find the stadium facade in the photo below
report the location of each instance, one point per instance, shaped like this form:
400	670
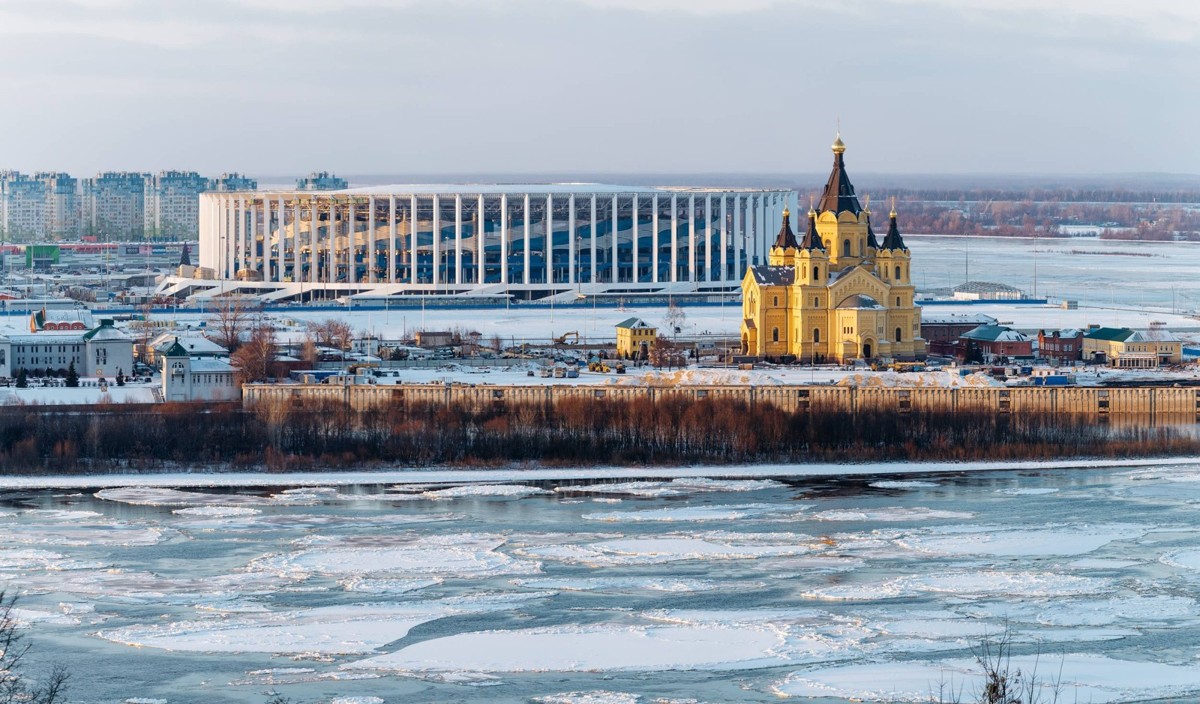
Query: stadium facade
524	241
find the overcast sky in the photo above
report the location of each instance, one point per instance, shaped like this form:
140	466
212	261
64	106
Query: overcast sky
593	86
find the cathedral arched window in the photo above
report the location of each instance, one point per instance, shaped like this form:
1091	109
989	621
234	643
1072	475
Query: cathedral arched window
897	273
816	303
897	301
845	248
899	334
775	301
816	335
774	334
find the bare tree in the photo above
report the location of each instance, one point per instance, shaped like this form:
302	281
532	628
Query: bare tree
15	686
254	359
229	321
332	333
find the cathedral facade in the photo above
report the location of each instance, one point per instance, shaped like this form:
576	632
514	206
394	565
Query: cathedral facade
837	293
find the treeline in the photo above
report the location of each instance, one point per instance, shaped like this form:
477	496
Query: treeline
1045	219
1061	194
578	431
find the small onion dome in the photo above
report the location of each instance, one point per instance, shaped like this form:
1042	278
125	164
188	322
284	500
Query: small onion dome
838	146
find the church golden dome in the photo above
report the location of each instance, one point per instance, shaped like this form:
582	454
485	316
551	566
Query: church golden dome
839	147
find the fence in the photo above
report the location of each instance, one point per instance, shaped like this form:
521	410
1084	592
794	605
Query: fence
1156	404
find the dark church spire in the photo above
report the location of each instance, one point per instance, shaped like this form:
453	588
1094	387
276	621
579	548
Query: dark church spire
185	257
786	238
893	240
872	242
838	195
811	239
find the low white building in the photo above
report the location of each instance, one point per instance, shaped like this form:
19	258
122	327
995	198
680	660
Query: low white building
103	351
187	378
197	346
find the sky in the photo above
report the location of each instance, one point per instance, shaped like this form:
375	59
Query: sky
600	86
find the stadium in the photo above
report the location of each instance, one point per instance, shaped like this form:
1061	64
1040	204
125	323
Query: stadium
485	242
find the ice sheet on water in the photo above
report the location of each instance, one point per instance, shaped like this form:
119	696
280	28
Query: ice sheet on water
356	700
597	697
1028	491
1142	611
139	586
386	586
1186	559
502	491
1000	541
1094	678
460	555
904	484
634	585
290	521
730	512
891	513
217	511
979	583
674	547
158	496
676	487
1101	563
325	630
587	648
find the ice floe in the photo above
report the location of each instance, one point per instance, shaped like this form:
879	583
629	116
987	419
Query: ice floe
597	697
356	700
904	484
217	511
386	586
1093	678
326	630
1187	559
891	513
506	491
1028	491
461	555
675	487
1022	542
973	584
672	548
588	648
694	513
633	585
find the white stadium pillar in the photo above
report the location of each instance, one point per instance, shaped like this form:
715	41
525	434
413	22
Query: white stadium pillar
654	239
593	255
413	220
391	259
633	211
369	259
526	277
724	238
331	232
458	235
351	244
674	238
616	230
572	275
437	239
708	237
504	238
480	240
692	238
548	228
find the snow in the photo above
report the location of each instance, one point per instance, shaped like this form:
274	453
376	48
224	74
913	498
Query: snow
677	487
669	548
386	586
356	700
588	648
1028	491
901	484
967	585
630	585
217	511
697	476
597	697
77	396
1093	678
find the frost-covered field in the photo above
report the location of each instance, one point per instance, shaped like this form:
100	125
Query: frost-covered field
620	589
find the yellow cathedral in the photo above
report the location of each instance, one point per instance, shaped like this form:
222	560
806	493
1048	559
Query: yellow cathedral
838	294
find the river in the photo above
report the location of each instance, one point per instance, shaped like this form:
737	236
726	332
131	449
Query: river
626	590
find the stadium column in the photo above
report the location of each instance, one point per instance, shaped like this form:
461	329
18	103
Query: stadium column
504	238
239	233
369	259
616	229
674	238
724	237
548	248
412	239
437	239
331	231
480	239
226	217
708	237
351	244
571	249
252	236
654	239
593	252
266	238
525	278
313	240
633	212
738	241
458	235
281	239
391	272
692	238
297	272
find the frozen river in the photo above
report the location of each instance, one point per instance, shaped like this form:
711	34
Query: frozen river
671	590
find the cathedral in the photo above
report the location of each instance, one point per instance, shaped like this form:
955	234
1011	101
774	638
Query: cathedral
837	294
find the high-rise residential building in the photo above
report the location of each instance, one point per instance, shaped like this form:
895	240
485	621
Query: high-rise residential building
113	205
321	181
232	182
22	207
61	205
172	204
